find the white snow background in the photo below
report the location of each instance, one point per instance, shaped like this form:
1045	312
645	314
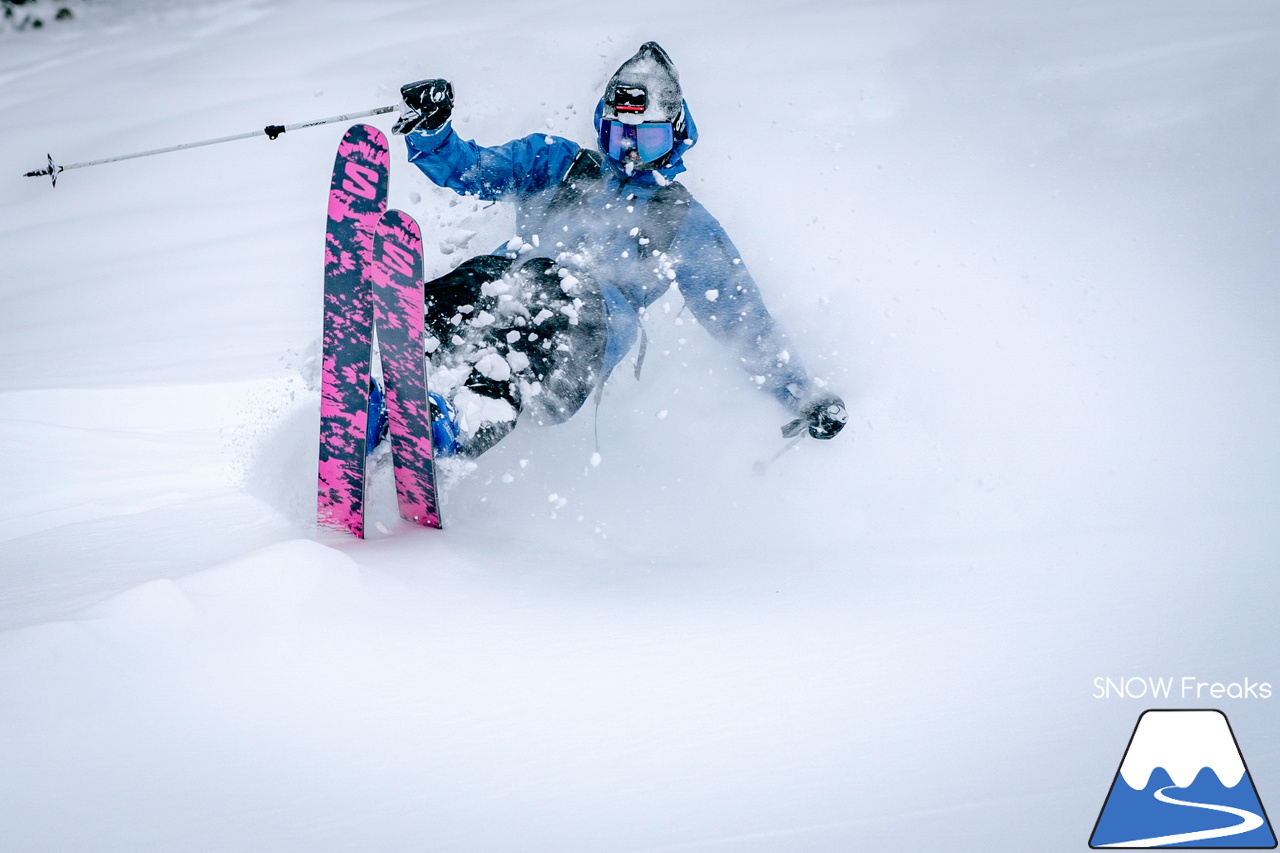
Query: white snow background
1033	246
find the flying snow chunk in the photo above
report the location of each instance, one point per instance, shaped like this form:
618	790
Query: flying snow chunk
475	410
494	367
518	361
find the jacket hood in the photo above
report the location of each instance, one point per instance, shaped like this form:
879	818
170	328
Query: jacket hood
652	70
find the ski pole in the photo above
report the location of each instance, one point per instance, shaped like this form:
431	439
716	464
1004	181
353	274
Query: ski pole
271	131
762	465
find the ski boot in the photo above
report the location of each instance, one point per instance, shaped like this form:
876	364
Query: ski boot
379	423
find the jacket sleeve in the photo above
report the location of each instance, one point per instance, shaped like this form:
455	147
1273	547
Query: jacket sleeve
521	167
724	299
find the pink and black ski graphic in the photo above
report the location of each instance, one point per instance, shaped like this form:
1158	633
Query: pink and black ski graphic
357	200
398	313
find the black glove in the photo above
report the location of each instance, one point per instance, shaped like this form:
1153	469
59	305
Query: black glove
427	106
824	416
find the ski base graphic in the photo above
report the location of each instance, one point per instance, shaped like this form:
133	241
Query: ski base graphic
373	279
398	315
357	200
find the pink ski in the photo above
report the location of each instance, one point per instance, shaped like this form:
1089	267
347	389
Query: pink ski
357	200
398	312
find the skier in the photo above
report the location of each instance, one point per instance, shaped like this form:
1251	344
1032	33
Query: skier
539	324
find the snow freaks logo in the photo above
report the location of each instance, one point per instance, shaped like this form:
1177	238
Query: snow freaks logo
1187	687
1183	783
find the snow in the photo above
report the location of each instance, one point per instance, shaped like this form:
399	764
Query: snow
494	366
474	410
1032	246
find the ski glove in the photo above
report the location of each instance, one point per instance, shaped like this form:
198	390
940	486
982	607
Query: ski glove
427	105
823	416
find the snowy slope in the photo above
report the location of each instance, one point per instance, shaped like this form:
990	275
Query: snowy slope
1032	245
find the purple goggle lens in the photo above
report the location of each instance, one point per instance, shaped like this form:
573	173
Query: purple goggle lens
650	140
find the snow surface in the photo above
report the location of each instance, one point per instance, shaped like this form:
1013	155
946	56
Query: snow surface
1032	245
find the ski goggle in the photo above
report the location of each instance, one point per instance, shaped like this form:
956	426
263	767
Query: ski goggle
650	140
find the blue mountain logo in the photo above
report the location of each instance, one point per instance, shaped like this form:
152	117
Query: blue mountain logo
1183	783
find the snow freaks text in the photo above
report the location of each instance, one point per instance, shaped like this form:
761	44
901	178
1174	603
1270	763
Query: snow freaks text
1186	687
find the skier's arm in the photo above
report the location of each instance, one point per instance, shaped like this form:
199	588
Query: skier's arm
522	166
724	299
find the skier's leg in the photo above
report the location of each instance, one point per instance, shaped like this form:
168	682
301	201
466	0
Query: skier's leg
477	399
459	289
503	338
562	337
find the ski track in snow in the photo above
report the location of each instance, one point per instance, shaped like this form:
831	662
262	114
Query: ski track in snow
1032	246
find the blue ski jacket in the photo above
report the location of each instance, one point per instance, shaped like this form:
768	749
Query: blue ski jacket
607	234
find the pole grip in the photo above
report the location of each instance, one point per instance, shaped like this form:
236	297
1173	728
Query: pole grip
51	170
